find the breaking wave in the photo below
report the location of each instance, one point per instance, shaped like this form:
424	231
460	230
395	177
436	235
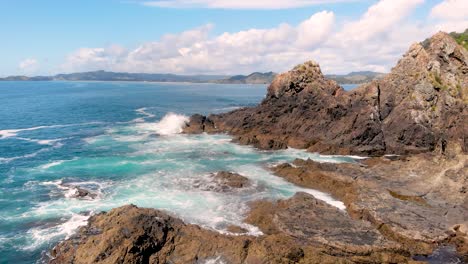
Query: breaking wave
170	124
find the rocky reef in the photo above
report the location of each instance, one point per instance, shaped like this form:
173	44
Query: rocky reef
306	230
407	200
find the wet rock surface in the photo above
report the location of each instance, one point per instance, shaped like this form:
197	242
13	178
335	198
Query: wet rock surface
223	181
83	193
229	180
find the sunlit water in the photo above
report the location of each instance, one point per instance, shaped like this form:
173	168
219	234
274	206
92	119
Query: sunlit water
121	141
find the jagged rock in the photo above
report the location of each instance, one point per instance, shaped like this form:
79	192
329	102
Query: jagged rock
199	124
313	222
130	234
421	106
417	201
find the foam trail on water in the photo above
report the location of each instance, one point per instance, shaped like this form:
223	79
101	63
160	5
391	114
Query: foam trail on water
142	111
41	236
54	163
6	133
41	141
31	155
170	124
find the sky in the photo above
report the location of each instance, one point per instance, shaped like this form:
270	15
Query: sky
47	37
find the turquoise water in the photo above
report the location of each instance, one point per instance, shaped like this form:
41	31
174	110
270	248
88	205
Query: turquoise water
350	86
121	141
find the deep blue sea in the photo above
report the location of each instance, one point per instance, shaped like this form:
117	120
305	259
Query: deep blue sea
122	142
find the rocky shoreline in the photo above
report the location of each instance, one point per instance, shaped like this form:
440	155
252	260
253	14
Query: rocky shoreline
398	207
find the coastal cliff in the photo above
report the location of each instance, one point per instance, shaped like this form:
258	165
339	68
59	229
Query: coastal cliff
419	107
399	208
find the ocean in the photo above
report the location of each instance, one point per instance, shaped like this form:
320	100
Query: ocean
122	142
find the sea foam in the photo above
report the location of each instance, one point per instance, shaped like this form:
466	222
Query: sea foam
40	236
6	133
170	124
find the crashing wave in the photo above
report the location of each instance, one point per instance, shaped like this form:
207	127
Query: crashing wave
170	124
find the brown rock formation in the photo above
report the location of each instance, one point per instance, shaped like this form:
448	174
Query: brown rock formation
419	202
420	106
305	230
231	180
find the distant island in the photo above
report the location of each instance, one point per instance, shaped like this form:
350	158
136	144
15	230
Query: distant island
254	78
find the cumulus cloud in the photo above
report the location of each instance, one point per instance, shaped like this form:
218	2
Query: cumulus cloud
28	65
194	51
452	15
238	4
373	41
451	9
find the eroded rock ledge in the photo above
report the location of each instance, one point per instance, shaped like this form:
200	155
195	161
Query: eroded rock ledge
419	202
298	230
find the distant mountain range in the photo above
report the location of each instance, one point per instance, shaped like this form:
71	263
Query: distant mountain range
355	77
254	78
119	76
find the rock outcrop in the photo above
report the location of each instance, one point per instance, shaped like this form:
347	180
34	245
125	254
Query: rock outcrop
419	201
305	230
421	106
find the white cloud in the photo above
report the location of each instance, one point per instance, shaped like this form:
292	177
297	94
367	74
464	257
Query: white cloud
451	9
452	15
375	41
239	4
379	18
194	51
28	65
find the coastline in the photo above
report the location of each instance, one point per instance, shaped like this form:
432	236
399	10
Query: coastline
399	208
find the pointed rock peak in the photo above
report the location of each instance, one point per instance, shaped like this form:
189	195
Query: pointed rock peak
309	69
304	77
442	44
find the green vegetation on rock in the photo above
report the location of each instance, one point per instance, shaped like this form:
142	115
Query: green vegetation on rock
461	38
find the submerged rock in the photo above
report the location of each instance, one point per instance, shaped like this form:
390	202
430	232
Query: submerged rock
229	180
83	193
223	181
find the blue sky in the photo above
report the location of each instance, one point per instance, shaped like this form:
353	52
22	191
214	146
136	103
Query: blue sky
46	37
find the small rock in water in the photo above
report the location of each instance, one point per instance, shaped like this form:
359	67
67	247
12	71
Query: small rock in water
223	181
83	193
231	179
80	193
